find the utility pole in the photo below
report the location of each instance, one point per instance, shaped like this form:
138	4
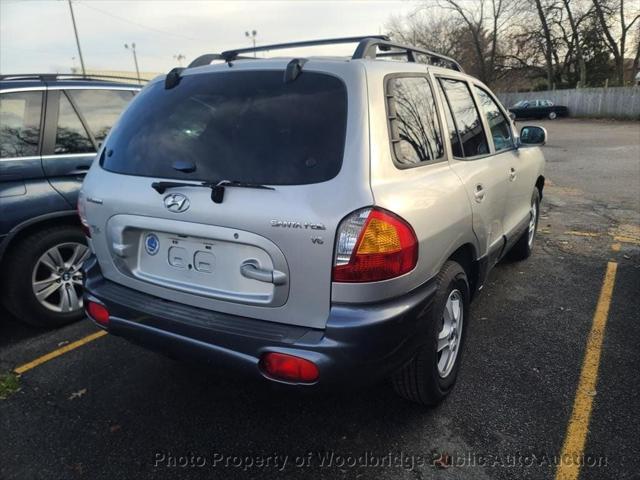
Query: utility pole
252	35
135	58
179	57
75	30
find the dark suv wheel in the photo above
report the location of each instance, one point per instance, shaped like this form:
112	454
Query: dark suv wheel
43	282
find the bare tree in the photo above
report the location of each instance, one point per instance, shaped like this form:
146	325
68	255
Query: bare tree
432	32
636	59
485	21
576	43
606	16
516	43
548	44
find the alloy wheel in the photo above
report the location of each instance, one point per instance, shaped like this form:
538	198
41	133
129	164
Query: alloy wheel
532	223
56	279
450	334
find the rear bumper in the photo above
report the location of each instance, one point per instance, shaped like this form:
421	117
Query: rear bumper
360	344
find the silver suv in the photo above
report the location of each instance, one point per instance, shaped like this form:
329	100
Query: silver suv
313	220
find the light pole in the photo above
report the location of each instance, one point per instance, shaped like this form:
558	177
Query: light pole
179	57
75	31
135	58
252	35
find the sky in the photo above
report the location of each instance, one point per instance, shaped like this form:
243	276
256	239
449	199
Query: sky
37	35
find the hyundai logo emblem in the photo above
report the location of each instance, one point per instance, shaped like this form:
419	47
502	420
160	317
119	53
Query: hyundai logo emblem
176	202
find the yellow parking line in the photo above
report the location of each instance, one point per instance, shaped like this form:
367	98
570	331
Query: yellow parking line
626	239
574	442
581	234
60	351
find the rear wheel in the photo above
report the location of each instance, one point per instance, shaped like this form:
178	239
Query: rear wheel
552	115
431	373
43	286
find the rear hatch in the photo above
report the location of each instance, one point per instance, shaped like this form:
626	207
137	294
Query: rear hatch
259	252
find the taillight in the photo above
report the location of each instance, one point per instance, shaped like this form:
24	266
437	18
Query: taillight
83	216
288	367
97	312
372	245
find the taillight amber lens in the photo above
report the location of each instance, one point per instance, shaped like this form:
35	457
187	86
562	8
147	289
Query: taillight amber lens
377	247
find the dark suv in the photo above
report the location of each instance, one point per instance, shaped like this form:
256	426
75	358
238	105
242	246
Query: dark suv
50	129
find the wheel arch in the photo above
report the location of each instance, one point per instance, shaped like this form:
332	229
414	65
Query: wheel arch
467	257
67	217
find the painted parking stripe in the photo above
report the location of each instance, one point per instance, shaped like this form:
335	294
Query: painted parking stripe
60	351
574	442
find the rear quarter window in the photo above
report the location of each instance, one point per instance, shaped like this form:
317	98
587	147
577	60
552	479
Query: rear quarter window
100	108
413	121
248	126
20	123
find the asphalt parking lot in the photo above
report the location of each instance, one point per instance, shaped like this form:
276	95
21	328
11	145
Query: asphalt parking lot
108	409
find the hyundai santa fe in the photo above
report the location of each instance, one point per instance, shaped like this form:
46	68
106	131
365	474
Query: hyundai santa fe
311	221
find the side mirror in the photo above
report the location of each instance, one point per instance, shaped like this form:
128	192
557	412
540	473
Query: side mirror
512	116
533	136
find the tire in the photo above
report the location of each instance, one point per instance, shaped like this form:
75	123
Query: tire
552	115
422	380
524	246
26	264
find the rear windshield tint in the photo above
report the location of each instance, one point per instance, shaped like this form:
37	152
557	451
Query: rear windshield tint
244	126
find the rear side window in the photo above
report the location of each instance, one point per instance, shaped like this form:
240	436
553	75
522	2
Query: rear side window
100	108
20	123
247	126
415	130
71	136
466	117
498	123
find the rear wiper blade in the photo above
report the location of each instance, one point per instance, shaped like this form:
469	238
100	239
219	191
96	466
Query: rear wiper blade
217	189
238	183
217	192
162	187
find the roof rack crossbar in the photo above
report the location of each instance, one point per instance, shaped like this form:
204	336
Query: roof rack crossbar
368	47
230	55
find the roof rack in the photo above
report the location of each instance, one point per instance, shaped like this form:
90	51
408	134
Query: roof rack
71	76
368	47
231	55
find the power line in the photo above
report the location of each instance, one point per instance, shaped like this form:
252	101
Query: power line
140	25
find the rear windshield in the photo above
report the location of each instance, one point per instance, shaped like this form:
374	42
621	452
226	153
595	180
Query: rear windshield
244	126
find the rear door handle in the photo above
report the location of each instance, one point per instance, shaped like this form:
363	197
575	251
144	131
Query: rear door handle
512	174
479	193
253	271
